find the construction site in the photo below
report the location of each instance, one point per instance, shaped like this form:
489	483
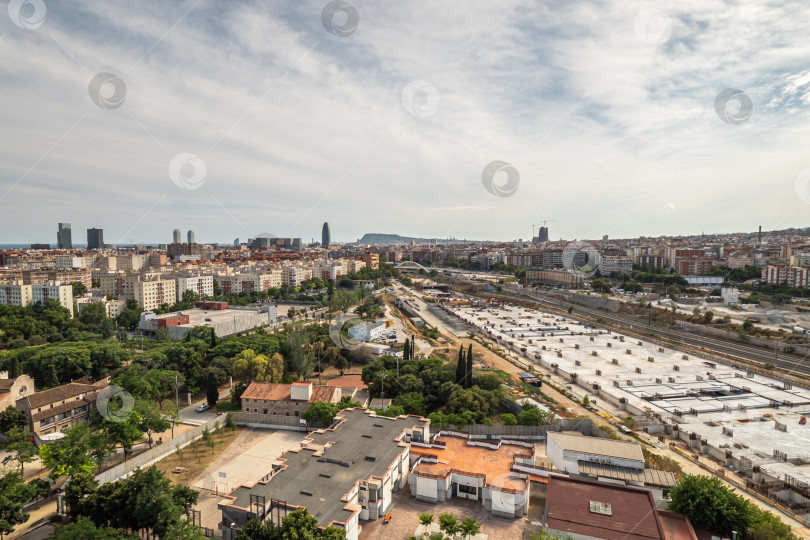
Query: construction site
746	422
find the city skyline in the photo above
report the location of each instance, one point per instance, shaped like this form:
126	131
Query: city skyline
610	119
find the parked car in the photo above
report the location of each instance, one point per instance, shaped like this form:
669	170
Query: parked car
204	407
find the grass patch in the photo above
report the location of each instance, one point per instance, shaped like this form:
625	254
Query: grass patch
662	463
226	405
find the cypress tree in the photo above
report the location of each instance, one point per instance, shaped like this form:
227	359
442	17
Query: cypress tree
51	379
213	338
407	349
413	348
469	377
16	368
461	367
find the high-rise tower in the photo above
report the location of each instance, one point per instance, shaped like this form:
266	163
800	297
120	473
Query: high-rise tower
326	235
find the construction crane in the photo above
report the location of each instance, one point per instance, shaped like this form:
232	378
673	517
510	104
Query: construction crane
544	223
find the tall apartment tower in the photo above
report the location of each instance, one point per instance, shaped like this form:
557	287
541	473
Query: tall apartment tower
95	238
326	235
64	239
177	236
191	237
542	234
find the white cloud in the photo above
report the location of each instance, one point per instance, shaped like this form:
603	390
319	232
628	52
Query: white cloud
297	126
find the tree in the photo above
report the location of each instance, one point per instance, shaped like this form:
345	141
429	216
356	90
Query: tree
426	519
470	527
708	503
85	529
468	372
509	419
14	493
461	367
767	526
448	523
51	378
151	419
124	431
93	314
12	418
601	285
79	288
406	349
212	394
536	417
708	316
341	364
17	441
68	455
411	403
320	412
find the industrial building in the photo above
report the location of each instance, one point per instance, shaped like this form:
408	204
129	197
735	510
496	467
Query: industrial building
341	475
225	322
745	421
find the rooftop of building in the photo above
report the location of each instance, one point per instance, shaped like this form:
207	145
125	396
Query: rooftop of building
361	446
58	394
676	526
458	456
281	392
595	445
601	510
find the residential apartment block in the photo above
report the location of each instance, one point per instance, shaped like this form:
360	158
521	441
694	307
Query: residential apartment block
17	293
793	276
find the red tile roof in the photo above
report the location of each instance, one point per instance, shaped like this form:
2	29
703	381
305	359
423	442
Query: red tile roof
634	516
281	392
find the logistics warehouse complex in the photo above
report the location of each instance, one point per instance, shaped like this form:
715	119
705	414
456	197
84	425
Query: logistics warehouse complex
745	421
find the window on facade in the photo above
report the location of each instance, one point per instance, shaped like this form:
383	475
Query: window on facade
296	413
265	411
46	421
472	490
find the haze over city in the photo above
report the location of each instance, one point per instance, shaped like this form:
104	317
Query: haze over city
606	111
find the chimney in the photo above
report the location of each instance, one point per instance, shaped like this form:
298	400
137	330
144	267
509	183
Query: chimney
300	391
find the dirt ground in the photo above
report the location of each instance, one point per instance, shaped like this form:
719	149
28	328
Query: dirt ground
195	457
405	518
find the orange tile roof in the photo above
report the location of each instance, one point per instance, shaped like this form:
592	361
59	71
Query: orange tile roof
459	457
281	392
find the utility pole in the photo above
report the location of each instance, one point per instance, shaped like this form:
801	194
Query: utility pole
776	352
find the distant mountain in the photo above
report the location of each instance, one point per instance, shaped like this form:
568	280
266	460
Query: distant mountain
383	238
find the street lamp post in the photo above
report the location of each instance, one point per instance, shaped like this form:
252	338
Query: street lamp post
382	388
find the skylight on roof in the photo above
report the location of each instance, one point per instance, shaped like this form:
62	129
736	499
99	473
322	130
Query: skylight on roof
601	508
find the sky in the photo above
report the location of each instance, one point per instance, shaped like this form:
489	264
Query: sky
466	119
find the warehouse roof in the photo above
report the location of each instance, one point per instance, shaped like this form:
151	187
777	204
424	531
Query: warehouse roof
319	475
595	445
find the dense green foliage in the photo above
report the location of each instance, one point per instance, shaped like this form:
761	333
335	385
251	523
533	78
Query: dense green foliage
146	501
714	506
294	526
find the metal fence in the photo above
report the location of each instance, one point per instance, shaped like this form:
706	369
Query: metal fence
156	453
